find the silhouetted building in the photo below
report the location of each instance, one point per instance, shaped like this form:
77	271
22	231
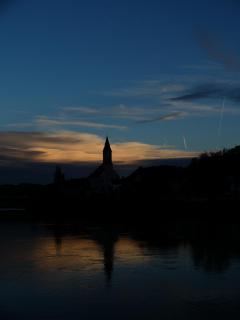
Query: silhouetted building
59	176
105	178
107	154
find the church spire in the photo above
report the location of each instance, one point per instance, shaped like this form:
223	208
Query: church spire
107	153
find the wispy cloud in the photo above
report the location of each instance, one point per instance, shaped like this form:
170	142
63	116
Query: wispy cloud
80	109
168	101
138	115
150	88
217	51
167	117
201	92
131	152
192	98
114	112
56	122
211	91
44	121
207	66
75	147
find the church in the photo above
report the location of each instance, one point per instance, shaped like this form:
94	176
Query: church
105	179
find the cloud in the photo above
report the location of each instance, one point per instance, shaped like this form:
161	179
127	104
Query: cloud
217	51
166	101
208	66
115	112
139	115
150	88
80	109
131	152
46	122
167	117
211	91
202	92
71	147
203	100
54	122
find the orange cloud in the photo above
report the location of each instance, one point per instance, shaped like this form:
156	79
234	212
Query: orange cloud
77	147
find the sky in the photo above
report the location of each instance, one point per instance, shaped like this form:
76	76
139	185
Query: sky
160	78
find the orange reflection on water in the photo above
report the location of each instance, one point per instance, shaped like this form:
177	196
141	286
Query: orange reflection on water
86	255
68	254
127	251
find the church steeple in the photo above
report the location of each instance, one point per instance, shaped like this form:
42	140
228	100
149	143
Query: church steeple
107	153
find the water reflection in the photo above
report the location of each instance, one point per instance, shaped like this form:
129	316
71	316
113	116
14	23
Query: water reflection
211	247
105	238
147	270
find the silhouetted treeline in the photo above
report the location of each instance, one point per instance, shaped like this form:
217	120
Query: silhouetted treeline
216	174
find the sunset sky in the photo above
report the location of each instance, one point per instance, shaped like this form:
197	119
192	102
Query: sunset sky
160	78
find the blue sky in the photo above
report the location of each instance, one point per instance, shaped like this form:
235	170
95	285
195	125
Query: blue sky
152	72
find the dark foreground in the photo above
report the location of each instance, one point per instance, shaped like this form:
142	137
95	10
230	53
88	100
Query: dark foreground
208	188
167	270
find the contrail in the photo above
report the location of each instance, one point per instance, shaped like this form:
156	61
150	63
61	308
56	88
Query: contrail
185	143
221	117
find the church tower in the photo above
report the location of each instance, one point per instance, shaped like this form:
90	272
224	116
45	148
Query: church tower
105	179
107	154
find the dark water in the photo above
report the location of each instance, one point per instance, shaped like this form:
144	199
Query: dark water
171	271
